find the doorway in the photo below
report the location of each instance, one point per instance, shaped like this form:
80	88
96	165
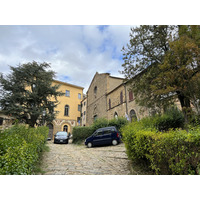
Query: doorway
50	131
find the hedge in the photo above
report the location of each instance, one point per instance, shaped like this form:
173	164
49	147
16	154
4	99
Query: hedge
81	133
20	148
171	119
173	152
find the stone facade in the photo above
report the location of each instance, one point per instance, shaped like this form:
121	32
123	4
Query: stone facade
116	102
97	95
109	97
132	107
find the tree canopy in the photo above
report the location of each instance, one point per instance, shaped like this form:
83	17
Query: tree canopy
28	95
163	63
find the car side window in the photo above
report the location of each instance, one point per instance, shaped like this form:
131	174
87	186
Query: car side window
99	133
107	131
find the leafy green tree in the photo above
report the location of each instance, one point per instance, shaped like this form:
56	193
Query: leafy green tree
162	64
28	94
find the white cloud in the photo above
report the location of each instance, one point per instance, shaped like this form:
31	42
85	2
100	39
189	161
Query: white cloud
75	52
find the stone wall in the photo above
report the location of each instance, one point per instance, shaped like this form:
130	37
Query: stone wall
131	105
97	95
116	106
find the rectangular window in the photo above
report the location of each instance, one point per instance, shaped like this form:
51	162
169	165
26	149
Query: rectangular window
130	95
79	96
66	113
79	107
67	94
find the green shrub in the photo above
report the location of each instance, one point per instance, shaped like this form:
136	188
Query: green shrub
20	148
99	123
173	152
118	123
81	133
171	119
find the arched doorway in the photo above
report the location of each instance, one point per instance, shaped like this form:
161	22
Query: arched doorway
133	115
65	128
50	136
116	115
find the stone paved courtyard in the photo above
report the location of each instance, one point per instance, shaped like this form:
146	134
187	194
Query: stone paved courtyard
73	159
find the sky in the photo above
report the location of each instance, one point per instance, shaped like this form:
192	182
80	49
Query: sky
75	52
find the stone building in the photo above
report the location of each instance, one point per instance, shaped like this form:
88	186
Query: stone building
69	108
110	97
97	95
121	102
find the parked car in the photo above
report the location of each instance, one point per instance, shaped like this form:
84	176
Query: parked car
104	136
61	138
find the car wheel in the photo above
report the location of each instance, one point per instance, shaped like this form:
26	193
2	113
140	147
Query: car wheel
67	142
89	145
114	142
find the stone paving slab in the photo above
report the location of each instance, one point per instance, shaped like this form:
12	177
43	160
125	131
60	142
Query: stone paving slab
70	159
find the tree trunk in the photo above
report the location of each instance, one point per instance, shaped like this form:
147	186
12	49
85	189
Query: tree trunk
185	105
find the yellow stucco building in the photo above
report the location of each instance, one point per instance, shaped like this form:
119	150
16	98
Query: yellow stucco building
69	108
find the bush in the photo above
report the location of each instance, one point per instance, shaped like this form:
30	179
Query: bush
81	133
171	119
173	152
99	123
118	123
20	148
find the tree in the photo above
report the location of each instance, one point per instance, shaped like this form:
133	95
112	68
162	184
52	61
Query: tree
162	64
27	93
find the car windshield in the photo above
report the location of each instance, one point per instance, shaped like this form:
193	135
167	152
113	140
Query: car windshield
61	134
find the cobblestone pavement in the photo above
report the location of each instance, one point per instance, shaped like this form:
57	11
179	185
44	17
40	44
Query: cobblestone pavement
73	159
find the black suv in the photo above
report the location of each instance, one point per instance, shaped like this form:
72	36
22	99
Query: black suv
104	136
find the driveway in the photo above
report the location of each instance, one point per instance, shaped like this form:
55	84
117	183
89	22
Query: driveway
73	159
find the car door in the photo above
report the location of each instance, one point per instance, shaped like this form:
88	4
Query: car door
98	138
106	139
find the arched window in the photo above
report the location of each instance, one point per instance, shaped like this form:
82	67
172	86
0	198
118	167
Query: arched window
66	110
95	117
133	115
121	97
116	115
109	103
95	90
65	128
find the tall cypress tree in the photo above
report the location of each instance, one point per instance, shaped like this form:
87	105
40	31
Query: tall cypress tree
27	92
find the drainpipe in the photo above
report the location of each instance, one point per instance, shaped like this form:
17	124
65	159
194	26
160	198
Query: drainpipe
126	99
